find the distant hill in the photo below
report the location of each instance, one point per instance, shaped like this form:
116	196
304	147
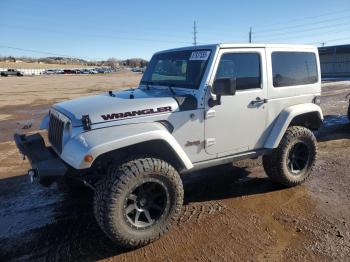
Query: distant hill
62	60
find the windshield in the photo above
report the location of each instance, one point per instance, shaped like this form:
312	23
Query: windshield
178	68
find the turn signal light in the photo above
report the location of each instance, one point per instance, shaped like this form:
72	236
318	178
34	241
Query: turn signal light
88	158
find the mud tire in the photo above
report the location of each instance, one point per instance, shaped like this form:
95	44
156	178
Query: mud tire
111	193
277	163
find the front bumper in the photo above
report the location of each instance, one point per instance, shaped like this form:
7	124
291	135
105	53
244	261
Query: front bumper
46	165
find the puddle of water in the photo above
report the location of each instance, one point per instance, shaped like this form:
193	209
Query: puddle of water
26	207
335	120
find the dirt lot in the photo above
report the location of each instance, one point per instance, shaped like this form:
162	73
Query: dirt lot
231	213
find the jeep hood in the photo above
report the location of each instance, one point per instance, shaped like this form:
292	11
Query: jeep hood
119	106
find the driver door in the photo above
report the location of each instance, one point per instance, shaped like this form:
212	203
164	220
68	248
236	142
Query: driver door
239	123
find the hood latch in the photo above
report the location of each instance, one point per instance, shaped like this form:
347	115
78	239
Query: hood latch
85	119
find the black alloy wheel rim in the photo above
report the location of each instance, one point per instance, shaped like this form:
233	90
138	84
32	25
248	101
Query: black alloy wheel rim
145	204
298	158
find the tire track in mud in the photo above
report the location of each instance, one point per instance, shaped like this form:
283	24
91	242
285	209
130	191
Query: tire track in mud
194	213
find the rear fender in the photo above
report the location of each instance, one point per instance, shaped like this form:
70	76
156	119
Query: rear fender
284	120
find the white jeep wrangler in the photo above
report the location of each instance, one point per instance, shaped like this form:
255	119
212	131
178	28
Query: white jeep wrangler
195	107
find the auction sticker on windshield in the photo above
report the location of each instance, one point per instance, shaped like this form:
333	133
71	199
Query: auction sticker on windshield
200	55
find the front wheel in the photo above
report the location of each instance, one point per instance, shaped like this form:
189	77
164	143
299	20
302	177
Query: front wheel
292	161
138	201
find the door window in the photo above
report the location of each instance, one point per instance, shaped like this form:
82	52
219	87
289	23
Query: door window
244	67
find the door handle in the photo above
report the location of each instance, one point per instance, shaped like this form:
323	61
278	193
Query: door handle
259	101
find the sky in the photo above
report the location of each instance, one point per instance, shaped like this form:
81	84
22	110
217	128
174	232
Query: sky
96	30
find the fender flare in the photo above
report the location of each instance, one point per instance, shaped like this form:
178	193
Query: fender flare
285	118
99	141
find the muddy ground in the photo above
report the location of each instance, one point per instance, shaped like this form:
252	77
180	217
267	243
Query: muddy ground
231	213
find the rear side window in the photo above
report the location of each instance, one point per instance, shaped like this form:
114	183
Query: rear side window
245	67
294	68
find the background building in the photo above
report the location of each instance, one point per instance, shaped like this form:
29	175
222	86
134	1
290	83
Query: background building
335	61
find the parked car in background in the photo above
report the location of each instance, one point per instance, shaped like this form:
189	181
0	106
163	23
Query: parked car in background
49	72
53	71
108	70
11	72
83	71
69	71
93	71
100	70
138	70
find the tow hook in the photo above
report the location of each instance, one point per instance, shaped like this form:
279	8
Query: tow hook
32	175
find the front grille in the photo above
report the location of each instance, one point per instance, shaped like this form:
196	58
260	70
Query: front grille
56	127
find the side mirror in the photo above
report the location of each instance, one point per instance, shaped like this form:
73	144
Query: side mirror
222	87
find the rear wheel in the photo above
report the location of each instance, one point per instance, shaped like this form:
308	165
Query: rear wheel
138	201
291	163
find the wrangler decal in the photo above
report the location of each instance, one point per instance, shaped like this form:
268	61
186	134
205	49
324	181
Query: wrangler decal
149	111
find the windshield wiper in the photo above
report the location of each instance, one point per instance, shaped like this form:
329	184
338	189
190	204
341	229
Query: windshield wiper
170	86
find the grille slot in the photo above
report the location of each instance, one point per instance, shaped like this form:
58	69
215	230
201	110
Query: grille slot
55	134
